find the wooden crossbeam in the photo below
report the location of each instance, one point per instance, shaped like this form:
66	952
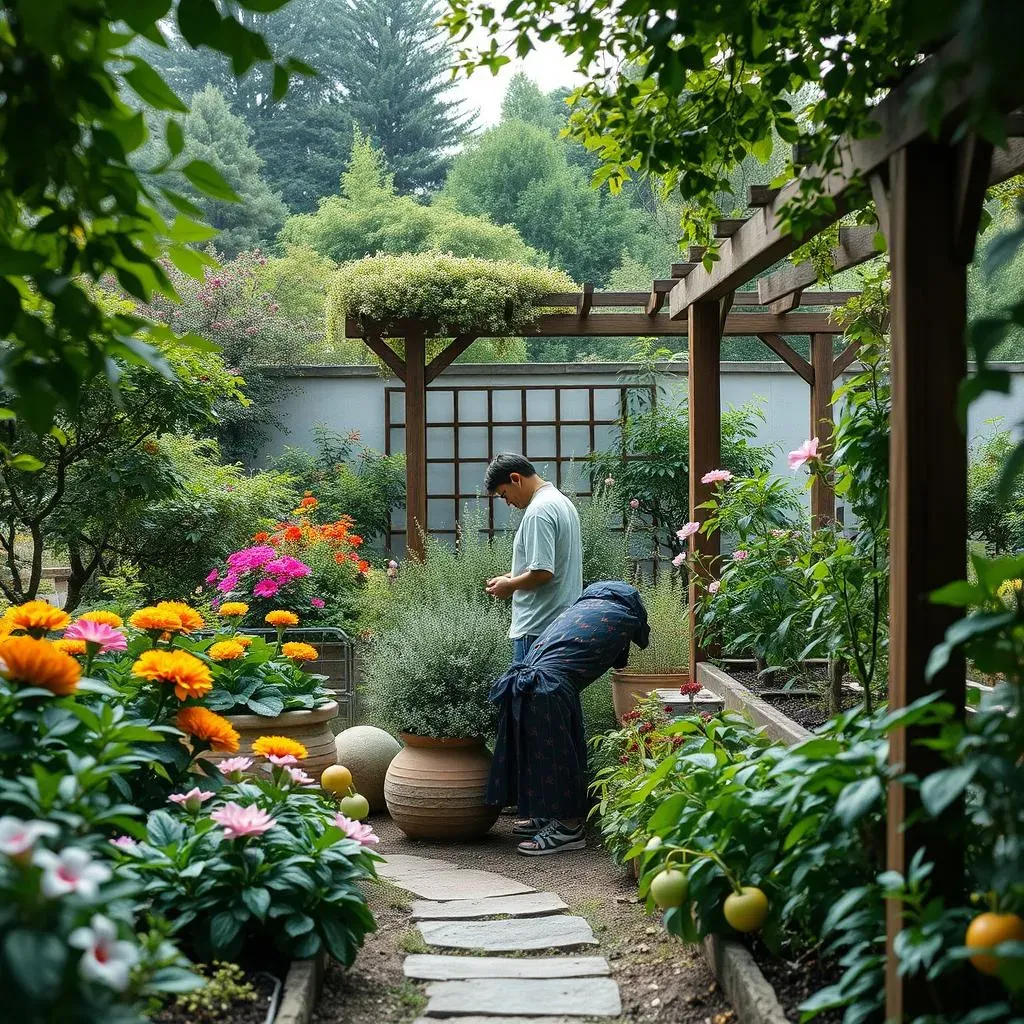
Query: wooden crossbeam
728	227
682	269
791	358
387	355
737	325
843	360
658	295
974	164
448	355
787	303
761	195
856	246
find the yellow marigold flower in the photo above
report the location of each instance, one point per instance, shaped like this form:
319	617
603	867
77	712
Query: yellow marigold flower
203	724
185	672
300	652
279	746
35	662
6	627
191	620
279	617
105	617
233	609
70	646
245	641
37	617
151	619
1009	587
226	650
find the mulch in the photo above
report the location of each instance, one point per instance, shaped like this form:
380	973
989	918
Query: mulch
245	1012
810	708
796	981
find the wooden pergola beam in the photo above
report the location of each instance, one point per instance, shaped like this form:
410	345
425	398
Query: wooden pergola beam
843	360
791	358
728	227
445	358
383	351
761	195
823	497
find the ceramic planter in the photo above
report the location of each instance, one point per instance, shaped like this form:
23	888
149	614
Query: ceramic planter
628	686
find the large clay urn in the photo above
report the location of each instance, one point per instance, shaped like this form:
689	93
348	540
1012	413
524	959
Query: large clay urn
436	788
628	686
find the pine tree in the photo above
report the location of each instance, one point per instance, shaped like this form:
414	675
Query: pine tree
394	65
214	134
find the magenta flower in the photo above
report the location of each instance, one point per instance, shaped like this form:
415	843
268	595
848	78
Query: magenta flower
213	577
635	503
716	476
714	586
317	602
239	822
679	559
251	558
357	830
107	638
192	800
124	843
266	588
688	531
287	568
740	555
233	767
807	452
228	584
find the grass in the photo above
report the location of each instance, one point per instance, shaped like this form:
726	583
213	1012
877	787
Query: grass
410	997
411	941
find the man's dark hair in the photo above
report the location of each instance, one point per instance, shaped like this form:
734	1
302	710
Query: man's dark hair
501	469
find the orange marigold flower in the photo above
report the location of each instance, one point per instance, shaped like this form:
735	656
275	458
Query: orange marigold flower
300	652
71	647
226	650
308	501
245	641
340	557
35	662
280	617
152	618
292	533
191	620
37	617
185	672
106	618
363	566
279	746
233	609
355	540
203	724
262	537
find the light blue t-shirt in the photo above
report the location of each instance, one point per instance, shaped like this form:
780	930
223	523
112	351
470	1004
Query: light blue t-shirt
548	538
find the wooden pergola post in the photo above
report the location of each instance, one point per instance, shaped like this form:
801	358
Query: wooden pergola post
928	502
415	440
705	415
823	497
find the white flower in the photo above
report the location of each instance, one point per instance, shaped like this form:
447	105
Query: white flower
106	959
18	837
71	870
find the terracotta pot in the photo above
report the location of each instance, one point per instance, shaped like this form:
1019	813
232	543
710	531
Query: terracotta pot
628	686
311	728
436	788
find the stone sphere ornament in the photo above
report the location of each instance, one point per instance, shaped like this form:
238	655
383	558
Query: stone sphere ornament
367	752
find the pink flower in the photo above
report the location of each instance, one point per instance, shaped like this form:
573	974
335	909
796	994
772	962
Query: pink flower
266	588
807	452
688	531
17	837
71	870
635	503
283	760
392	564
228	584
679	560
317	602
213	577
357	830
714	586
192	800
299	777
124	843
106	637
239	822
716	476
740	555
286	567
232	767
251	558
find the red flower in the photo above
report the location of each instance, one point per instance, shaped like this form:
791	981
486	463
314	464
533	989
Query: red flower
690	688
363	566
293	533
262	537
624	759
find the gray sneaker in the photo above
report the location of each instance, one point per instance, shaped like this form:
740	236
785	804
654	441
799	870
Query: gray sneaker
553	838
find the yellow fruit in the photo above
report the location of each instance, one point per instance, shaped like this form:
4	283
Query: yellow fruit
746	910
336	779
669	888
988	930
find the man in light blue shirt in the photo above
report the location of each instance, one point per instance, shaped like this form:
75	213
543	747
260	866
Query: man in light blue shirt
546	578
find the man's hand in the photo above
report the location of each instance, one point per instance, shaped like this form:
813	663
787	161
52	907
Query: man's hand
501	587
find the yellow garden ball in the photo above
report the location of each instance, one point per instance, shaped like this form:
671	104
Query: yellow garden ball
336	779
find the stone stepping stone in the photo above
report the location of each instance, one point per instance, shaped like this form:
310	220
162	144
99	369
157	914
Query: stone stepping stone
526	904
565	997
494	1020
397	862
450	883
509	935
433	967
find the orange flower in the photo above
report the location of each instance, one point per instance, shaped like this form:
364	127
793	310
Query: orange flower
279	746
226	650
104	617
203	724
363	566
151	619
37	618
191	620
355	540
233	609
308	501
300	652
245	641
70	646
293	533
280	617
262	537
184	671
340	557
34	662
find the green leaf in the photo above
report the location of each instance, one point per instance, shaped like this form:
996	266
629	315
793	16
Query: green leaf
959	594
263	6
224	929
162	830
175	137
25	463
151	88
297	924
209	181
857	798
138	14
941	788
200	22
35	961
667	813
257	900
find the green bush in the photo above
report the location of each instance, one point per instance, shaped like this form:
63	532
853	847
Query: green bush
993	518
666	602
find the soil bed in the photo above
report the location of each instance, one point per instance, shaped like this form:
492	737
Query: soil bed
796	981
660	979
804	709
241	1012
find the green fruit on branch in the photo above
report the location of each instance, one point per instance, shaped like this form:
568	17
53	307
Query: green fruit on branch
669	888
747	909
356	807
653	843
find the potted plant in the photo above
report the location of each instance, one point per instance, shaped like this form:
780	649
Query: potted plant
428	675
664	664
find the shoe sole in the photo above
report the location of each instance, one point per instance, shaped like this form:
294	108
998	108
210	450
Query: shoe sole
576	844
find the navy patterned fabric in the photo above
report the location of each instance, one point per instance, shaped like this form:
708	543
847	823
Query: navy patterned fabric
540	756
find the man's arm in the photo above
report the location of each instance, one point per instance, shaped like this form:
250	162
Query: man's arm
505	586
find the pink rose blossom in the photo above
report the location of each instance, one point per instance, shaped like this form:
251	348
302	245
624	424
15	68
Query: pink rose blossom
688	531
232	767
679	560
266	588
716	476
106	637
124	843
239	822
192	800
283	760
740	555
317	602
807	452
356	830
714	586
635	503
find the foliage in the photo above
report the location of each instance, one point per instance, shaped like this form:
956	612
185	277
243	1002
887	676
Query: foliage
75	209
994	518
225	985
453	295
665	598
602	538
348	478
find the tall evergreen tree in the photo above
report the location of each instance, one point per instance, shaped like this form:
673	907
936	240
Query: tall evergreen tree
397	89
